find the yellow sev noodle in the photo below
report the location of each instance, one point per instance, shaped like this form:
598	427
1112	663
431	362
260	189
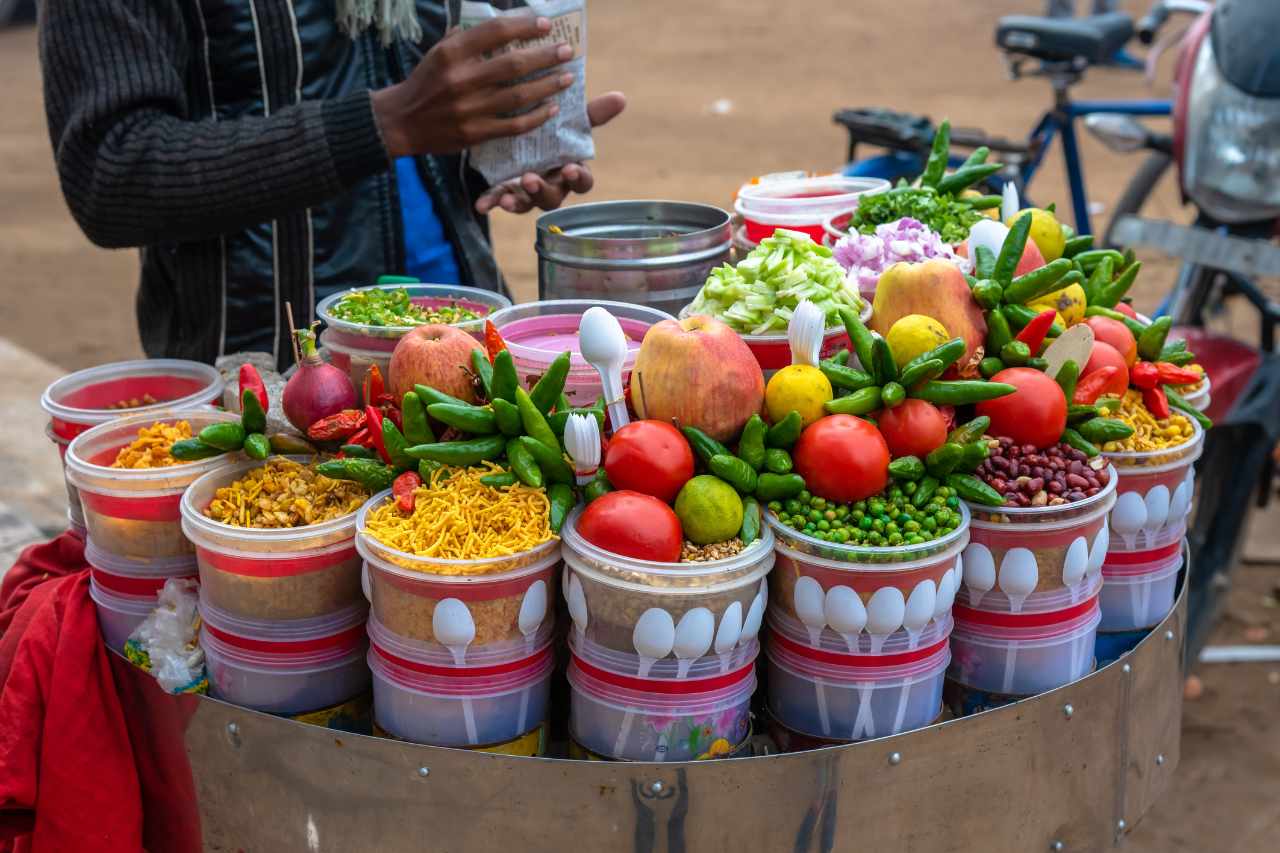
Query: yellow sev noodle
456	517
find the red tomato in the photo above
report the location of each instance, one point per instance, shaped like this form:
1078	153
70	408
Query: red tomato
1034	414
1105	355
1118	335
842	458
914	428
633	525
650	457
1126	309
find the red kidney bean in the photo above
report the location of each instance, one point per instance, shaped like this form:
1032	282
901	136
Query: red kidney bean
1027	476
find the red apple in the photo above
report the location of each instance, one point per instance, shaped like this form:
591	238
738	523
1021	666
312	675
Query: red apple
437	356
697	372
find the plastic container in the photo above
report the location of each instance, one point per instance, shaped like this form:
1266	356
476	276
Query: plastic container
937	630
860	589
134	512
1020	654
419	694
854	697
285	666
1154	494
537	332
1112	645
1050	601
1026	550
287	573
658	719
1138	588
667	669
464	604
353	347
800	205
118	614
1201	398
664	610
75	523
122	576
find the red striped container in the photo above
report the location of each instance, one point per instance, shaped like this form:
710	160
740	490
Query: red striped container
125	591
1138	587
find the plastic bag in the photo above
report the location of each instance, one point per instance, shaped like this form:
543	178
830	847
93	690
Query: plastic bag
165	643
566	136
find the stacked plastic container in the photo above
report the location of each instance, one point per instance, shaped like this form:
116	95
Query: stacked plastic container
460	650
1147	527
125	590
858	642
1027	611
282	609
662	655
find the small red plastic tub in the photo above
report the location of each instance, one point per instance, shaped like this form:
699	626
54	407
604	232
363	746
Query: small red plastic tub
285	666
1138	587
1155	492
277	573
134	512
93	396
420	694
800	205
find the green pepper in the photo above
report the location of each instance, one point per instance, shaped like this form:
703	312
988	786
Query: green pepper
483	370
975	452
1015	353
1094	257
499	481
256	446
1110	295
535	425
1039	281
598	487
924	490
1149	343
428	396
886	367
427	469
547	391
554	468
944	459
988	294
507	417
370	473
562	403
845	377
982	202
751	443
777	461
1038	363
939	153
948	353
778	487
979	155
561	498
224	436
962	392
1079	442
914	374
984	262
841	358
750	531
970	488
560	419
252	417
1011	251
1020	315
786	432
861	338
1097	280
477	420
416	428
1067	377
396	446
504	383
1102	430
966	176
735	472
358	451
523	465
1179	402
990	366
704	445
1076	245
892	394
460	453
998	331
288	444
1078	413
906	468
971	431
862	402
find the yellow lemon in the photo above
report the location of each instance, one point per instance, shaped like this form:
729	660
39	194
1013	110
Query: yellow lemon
1046	232
797	388
913	335
1069	302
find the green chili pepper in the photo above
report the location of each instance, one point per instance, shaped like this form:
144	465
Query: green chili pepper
427	396
562	403
984	262
507	417
499	481
970	488
704	445
892	394
778	487
939	153
523	465
1092	258
1149	343
1038	363
1015	353
966	176
862	339
735	472
535	425
1076	245
943	460
358	451
1078	413
982	202
1011	251
962	392
841	358
786	432
998	331
845	377
751	443
286	444
554	468
561	498
1111	295
862	402
924	491
990	366
1179	402
948	353
906	468
370	473
505	381
396	446
416	428
460	453
478	420
548	389
1079	442
427	469
975	452
1135	328
256	446
886	367
481	367
988	294
1027	287
971	431
1102	430
1020	315
598	487
252	417
224	436
978	156
1067	377
777	461
914	374
750	531
1097	280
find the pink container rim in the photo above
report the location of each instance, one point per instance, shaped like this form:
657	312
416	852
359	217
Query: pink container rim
461	682
438	656
1080	621
685	698
52	397
896	558
1033	518
630	316
857	669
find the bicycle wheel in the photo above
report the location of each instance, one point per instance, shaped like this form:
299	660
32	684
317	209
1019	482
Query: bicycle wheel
1138	191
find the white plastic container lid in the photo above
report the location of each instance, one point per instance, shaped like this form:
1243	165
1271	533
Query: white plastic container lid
666	669
800	199
75	399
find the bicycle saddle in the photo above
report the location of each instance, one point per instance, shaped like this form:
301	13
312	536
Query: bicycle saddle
1094	39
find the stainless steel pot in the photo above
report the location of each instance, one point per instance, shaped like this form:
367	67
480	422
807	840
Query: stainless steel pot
655	253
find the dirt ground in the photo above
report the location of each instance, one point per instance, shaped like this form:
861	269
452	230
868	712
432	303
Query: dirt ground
781	70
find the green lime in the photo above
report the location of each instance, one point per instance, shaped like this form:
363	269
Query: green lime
709	509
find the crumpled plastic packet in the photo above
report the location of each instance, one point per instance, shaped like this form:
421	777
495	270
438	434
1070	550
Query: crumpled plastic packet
166	644
566	136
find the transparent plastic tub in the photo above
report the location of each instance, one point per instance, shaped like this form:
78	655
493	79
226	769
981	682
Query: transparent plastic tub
75	512
134	512
420	695
854	589
118	614
1023	654
1201	397
1050	601
1021	551
854	697
75	523
667	669
800	205
858	644
122	576
537	332
658	719
463	604
383	338
664	610
285	666
1155	494
1138	593
288	573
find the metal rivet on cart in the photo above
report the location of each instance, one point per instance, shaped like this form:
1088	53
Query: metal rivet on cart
1068	710
656	787
1057	846
233	733
895	758
424	772
1168	635
1126	669
1121	825
1160	759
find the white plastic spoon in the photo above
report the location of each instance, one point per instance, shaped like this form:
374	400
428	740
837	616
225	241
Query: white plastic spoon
604	346
582	441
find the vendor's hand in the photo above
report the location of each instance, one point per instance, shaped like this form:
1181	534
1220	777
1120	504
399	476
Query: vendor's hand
548	191
456	97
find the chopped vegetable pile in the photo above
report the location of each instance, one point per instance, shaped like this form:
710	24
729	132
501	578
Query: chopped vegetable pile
393	307
950	216
866	256
758	295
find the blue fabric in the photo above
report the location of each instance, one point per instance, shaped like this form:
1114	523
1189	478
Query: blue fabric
428	254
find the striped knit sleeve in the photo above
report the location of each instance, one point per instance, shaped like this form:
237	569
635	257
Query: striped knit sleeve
135	171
